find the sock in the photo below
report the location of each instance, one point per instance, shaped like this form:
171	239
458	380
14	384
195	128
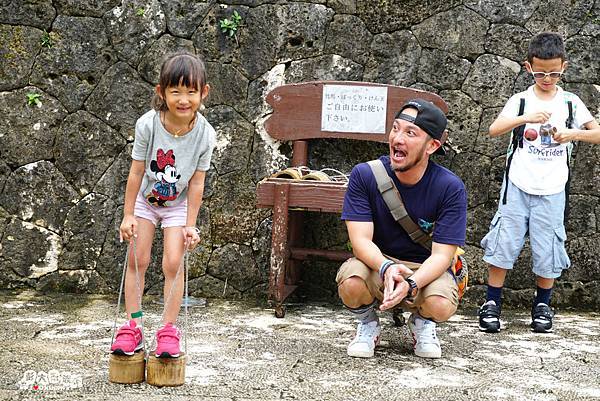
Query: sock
494	294
365	313
542	296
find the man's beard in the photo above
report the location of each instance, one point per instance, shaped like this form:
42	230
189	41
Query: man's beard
400	169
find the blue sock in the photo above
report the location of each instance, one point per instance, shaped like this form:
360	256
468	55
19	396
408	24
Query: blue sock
542	296
365	313
494	294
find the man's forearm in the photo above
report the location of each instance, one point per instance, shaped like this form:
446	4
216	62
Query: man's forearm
368	253
432	268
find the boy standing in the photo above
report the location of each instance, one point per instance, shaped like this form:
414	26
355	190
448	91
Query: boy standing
544	121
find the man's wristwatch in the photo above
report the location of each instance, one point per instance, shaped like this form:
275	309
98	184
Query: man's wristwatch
412	288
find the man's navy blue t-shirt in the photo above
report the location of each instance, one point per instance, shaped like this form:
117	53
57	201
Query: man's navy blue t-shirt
439	197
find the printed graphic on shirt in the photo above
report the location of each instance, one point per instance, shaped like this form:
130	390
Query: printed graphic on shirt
541	142
166	174
426	226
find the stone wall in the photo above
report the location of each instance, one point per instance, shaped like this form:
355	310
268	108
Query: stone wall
64	161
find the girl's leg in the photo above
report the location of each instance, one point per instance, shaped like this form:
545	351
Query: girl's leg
143	246
172	262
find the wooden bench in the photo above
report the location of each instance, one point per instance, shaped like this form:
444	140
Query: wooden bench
297	115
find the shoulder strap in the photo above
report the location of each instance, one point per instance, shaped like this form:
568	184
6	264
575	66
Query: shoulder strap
393	200
520	129
516	140
569	124
570	119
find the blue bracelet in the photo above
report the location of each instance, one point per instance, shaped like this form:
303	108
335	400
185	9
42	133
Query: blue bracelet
384	266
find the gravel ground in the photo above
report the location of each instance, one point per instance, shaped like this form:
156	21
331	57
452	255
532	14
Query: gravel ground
56	348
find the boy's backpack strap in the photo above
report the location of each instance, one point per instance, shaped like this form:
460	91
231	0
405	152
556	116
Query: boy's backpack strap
393	200
516	140
569	124
521	128
570	119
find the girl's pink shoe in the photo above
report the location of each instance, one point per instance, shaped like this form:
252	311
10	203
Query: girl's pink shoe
128	339
167	341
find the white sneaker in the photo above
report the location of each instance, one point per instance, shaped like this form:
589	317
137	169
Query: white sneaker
367	338
426	343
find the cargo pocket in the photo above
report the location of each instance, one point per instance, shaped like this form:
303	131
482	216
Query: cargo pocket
561	259
490	242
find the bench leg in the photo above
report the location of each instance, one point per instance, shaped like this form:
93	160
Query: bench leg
295	240
279	248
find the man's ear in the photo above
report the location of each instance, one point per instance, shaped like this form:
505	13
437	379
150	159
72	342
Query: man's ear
444	137
437	143
527	66
565	64
205	91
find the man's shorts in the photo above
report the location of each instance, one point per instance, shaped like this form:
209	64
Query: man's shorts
172	216
444	286
542	217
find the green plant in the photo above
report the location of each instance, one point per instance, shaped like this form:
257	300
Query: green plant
47	40
229	26
140	11
33	99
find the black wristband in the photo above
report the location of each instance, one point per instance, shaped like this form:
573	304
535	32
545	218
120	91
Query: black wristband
412	287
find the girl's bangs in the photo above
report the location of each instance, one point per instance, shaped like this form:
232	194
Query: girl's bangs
184	70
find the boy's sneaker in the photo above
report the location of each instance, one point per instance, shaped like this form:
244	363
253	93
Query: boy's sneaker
167	341
541	318
489	317
367	338
128	339
426	343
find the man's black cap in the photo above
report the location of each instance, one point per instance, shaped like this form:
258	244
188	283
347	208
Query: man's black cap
429	118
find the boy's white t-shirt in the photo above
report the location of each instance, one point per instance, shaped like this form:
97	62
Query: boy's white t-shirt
170	161
537	168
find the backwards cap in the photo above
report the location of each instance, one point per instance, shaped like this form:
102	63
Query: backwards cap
429	118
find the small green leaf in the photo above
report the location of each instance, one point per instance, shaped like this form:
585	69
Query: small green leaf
33	99
47	40
229	26
140	11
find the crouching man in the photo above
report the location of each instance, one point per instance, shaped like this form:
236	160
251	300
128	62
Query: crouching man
389	267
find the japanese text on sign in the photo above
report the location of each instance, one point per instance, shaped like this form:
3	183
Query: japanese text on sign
351	108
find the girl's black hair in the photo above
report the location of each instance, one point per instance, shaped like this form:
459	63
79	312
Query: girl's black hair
546	46
179	68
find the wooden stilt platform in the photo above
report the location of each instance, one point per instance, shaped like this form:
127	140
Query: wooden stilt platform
166	371
126	369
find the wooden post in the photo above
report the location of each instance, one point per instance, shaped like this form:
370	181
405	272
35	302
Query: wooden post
125	369
299	153
279	245
166	371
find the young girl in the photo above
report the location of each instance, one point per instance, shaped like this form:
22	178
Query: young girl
171	154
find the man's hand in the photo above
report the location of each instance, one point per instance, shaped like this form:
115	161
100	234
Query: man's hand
395	288
128	228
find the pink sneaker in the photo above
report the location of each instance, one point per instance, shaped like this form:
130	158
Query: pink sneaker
128	339
167	341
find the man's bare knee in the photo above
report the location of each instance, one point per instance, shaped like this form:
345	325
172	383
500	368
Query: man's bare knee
437	308
354	292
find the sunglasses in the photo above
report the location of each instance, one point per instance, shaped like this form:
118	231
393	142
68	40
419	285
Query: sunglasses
542	75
